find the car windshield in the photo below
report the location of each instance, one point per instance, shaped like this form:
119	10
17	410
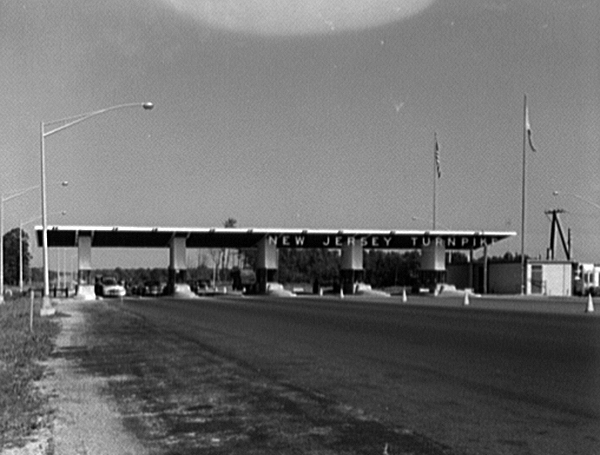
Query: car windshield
110	281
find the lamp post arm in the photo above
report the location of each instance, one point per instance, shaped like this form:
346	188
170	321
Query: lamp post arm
70	121
31	220
25	223
23	191
19	193
593	204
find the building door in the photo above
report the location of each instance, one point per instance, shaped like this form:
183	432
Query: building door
537	279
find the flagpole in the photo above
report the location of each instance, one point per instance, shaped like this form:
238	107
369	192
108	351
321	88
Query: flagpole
523	198
434	182
436	175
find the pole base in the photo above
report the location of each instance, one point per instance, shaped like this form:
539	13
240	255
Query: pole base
47	308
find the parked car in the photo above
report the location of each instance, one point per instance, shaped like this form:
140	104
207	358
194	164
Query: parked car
153	288
201	288
112	288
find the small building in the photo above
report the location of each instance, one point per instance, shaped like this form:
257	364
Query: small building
543	277
549	277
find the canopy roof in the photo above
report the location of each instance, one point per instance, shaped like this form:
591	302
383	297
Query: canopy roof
161	237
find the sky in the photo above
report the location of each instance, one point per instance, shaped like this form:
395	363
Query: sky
305	114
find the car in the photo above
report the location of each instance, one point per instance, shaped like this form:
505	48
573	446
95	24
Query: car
276	289
153	288
112	288
201	288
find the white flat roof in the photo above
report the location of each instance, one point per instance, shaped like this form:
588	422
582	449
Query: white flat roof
220	237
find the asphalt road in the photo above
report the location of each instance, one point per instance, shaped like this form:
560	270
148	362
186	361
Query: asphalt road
494	377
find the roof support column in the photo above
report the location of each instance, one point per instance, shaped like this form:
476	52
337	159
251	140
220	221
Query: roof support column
433	264
351	270
177	267
85	288
266	262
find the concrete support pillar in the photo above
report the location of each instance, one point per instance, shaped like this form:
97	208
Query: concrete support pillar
177	266
266	262
84	259
471	270
85	287
433	265
352	267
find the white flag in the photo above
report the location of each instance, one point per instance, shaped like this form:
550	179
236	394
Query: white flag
528	128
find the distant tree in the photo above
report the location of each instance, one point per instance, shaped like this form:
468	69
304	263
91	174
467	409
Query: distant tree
200	273
459	257
507	257
385	268
230	223
221	258
247	258
306	265
11	256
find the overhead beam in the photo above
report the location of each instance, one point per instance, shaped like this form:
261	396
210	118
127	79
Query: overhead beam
152	237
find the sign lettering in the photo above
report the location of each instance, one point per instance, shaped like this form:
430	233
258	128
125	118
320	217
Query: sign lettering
338	241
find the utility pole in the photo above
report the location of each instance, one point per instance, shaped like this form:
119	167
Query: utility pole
555	225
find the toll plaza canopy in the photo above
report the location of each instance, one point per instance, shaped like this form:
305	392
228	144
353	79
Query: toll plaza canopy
162	237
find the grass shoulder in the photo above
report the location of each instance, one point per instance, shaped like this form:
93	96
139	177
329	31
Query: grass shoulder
22	409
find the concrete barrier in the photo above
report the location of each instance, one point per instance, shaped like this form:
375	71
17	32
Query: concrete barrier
85	292
183	291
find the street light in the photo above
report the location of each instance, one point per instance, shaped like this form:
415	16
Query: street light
581	198
47	309
4	199
21	225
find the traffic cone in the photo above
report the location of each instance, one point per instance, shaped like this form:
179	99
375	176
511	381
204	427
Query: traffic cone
590	304
404	299
466	300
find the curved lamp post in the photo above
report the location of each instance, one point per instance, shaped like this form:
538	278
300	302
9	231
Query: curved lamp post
54	127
